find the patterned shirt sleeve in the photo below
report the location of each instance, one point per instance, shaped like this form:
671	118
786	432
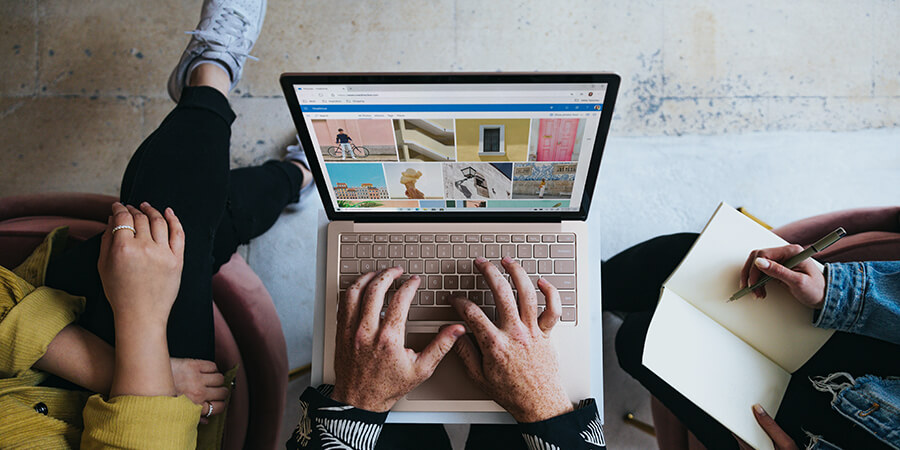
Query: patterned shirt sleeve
579	429
328	424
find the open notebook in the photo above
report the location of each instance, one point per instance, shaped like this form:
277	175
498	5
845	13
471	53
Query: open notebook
724	356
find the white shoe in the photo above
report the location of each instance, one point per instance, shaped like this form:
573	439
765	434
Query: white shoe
226	33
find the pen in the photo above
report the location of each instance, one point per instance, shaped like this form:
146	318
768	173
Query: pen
820	245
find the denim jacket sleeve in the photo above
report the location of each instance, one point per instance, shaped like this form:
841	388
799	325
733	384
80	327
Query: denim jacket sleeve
862	298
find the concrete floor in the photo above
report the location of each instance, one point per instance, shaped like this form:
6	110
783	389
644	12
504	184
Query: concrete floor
767	108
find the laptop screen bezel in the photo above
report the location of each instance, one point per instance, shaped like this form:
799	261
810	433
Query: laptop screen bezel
611	80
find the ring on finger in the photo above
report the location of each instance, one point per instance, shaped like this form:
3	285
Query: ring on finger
209	413
124	227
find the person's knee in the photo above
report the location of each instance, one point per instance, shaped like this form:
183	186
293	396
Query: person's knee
630	342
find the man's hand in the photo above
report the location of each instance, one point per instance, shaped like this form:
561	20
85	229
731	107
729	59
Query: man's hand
372	367
201	382
514	361
141	270
805	282
780	439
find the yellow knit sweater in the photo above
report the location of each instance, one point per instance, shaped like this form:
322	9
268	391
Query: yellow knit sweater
31	416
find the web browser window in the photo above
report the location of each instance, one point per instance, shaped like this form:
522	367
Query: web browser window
433	148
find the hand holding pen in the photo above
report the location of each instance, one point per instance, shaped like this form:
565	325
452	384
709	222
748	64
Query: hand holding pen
791	265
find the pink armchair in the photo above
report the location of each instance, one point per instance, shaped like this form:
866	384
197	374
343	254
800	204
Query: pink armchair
248	331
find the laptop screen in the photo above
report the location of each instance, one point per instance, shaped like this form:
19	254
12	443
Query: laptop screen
453	147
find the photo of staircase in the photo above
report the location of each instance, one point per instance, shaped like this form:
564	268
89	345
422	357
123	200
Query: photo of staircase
425	139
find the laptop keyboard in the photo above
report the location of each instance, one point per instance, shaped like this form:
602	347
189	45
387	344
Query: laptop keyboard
444	262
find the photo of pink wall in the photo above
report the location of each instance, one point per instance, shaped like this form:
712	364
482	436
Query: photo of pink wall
555	139
376	135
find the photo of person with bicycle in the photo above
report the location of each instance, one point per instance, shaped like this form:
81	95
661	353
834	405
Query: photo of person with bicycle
355	140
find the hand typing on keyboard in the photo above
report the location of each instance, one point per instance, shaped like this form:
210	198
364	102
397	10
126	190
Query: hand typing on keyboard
514	361
373	369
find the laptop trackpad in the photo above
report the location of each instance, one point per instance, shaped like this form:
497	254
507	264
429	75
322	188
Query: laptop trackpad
449	381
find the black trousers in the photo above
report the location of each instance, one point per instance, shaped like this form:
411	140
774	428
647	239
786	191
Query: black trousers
631	284
184	165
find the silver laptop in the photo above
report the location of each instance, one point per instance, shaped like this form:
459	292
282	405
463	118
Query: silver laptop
430	171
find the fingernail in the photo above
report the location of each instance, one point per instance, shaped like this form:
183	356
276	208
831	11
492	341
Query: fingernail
507	259
169	211
758	409
414	277
541	280
457	332
762	263
480	259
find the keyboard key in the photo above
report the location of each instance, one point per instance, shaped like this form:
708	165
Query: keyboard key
426	238
444	251
426	298
379	251
498	265
564	266
451	282
477	297
471	238
488	298
364	251
460	251
541	300
349	266
545	266
502	238
507	250
381	238
565	238
492	251
562	282
548	238
567	297
347	280
541	251
348	251
523	251
442	238
480	283
467	282
476	250
488	311
412	251
432	266
457	238
366	238
427	251
411	238
382	264
348	238
487	238
366	266
416	266
448	266
402	263
568	315
434	281
464	266
518	238
442	298
433	313
562	251
395	251
396	238
530	266
533	238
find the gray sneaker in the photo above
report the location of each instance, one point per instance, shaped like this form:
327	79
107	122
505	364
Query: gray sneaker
226	33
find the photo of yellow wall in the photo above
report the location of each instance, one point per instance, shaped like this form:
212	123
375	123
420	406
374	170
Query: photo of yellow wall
491	140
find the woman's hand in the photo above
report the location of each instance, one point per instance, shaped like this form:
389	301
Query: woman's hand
372	367
201	382
141	269
805	281
514	361
780	439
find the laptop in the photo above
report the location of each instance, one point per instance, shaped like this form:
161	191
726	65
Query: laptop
428	172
